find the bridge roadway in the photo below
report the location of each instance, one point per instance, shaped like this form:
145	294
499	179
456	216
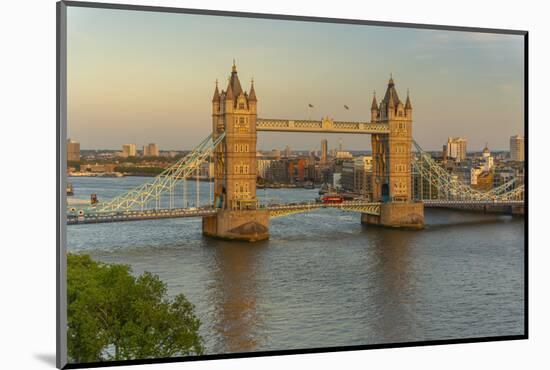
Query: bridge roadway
275	210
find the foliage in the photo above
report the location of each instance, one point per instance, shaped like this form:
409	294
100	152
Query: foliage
113	315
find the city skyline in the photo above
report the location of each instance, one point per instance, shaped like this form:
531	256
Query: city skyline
143	86
317	149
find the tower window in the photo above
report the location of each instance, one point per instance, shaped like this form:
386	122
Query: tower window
241	105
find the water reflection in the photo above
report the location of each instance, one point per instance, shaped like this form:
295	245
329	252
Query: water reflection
392	298
323	279
234	293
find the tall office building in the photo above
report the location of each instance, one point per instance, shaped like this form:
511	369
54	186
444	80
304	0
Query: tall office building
129	150
324	150
150	150
517	148
456	148
73	150
287	151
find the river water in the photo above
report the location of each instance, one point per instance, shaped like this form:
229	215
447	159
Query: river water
323	279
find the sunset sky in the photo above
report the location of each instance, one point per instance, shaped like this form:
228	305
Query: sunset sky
140	77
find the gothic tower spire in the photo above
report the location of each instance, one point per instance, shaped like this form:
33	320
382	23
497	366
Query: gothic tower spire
252	95
216	96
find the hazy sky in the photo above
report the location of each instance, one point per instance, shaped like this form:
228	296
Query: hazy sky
140	77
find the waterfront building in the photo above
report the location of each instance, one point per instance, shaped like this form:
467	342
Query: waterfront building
517	148
456	148
129	150
424	187
347	180
73	150
363	176
97	168
336	180
356	176
262	166
277	172
324	175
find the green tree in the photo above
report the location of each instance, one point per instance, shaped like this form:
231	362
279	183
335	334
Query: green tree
113	315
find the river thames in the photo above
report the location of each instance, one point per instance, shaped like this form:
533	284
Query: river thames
323	279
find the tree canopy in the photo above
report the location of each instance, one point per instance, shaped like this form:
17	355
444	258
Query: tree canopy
113	315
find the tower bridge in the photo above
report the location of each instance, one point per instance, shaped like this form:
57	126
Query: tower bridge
235	115
234	211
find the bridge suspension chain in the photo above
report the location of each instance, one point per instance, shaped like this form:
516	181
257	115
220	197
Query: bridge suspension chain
451	188
165	183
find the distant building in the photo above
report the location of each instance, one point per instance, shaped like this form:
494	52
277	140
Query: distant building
129	150
343	155
363	176
168	154
206	170
323	174
517	148
262	167
73	150
276	154
287	151
324	150
425	187
299	170
488	160
474	174
336	179
150	150
456	148
277	171
347	180
484	181
97	168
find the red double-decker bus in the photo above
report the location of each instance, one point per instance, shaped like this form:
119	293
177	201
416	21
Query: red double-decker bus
332	198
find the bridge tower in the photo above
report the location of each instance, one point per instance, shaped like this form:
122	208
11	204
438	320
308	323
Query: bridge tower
392	185
234	112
